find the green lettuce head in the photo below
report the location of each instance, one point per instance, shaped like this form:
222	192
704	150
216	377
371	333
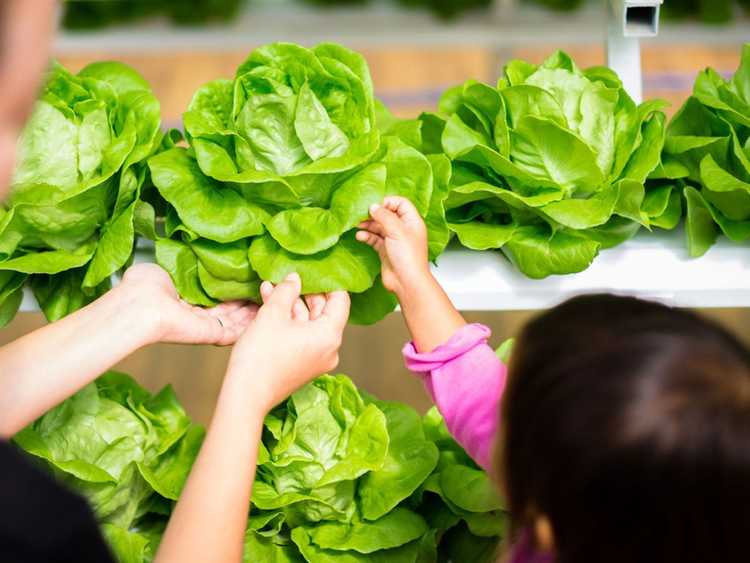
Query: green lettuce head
284	163
128	452
549	166
341	476
707	151
74	208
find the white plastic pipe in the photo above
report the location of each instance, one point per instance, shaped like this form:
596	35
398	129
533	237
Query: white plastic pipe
628	22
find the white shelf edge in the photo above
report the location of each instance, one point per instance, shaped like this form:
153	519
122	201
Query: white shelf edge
651	266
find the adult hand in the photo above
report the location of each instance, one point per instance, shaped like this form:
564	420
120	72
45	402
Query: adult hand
289	342
150	290
398	233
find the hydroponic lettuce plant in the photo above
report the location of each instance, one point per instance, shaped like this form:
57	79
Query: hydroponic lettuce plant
284	162
126	451
341	476
707	151
93	14
74	207
550	165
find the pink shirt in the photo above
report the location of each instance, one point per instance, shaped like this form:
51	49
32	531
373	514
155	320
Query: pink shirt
466	380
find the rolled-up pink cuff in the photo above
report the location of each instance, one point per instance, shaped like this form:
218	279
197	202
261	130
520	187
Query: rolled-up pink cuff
466	338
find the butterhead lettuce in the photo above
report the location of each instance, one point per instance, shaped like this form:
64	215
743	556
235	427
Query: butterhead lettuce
549	166
126	451
284	162
71	218
342	477
707	152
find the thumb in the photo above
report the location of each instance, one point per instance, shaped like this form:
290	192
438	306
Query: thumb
286	293
387	219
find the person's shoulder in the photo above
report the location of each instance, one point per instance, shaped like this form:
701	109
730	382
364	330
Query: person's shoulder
39	516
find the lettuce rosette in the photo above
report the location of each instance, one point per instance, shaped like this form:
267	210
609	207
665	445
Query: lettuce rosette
341	476
707	151
74	209
335	477
284	162
550	165
126	451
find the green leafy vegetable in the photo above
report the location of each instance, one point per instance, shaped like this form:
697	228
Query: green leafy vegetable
126	451
341	477
70	222
286	159
707	154
93	14
549	165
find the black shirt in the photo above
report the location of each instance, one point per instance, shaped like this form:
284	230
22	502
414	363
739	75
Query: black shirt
40	521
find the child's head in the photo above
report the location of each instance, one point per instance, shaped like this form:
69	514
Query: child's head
626	427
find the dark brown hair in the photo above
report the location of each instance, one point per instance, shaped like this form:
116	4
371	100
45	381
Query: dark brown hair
627	424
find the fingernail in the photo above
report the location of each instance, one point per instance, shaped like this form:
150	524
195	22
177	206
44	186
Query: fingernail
374	208
293	277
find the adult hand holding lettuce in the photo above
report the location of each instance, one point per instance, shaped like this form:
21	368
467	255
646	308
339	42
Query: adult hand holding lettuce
287	345
43	368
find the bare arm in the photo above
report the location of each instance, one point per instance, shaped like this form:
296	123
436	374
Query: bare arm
43	368
208	523
399	235
286	345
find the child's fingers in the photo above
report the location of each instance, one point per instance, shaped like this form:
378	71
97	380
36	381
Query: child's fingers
400	206
371	239
388	220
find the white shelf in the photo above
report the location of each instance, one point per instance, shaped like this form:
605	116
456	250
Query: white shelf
652	266
380	24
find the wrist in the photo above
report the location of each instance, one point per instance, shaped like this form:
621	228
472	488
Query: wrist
143	321
412	286
250	375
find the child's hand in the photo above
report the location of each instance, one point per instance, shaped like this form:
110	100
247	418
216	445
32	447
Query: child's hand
398	233
289	342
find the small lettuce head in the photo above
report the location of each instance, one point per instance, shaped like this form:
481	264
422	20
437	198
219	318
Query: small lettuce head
707	151
548	166
71	219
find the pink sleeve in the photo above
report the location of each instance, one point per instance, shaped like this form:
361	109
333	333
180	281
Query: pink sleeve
466	380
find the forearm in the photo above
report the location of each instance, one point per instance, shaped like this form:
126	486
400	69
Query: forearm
429	314
208	523
43	368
